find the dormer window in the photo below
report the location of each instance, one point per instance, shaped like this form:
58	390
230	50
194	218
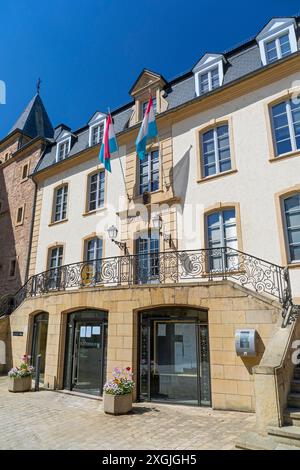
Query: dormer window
209	80
63	149
96	132
277	48
145	104
209	73
277	40
96	128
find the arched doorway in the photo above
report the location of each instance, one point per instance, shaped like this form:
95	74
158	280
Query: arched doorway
39	341
86	351
174	356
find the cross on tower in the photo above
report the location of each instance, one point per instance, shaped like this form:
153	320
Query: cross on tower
38	86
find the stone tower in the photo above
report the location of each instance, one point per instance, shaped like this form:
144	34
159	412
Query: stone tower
20	151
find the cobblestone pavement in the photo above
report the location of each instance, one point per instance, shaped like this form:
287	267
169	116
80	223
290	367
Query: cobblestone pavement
53	420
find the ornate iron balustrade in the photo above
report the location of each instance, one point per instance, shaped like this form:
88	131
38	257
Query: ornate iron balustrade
162	268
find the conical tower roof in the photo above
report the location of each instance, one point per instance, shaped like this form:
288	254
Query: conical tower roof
34	121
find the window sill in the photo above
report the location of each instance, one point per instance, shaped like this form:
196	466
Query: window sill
152	193
218	175
23	180
294	265
57	222
19	224
101	209
283	156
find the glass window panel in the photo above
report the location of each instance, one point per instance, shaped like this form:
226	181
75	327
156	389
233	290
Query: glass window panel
294	236
283	147
295	253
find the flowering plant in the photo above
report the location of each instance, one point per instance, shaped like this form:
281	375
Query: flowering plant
23	370
122	382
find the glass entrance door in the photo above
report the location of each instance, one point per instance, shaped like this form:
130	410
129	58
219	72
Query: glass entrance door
85	360
174	362
87	374
39	341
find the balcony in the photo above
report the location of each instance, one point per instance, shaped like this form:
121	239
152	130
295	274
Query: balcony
158	268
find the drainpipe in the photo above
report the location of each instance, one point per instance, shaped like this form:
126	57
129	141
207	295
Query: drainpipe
32	221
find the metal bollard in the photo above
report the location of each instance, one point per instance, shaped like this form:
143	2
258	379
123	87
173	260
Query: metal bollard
37	372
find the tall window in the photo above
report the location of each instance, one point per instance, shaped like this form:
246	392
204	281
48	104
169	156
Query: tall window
286	125
291	206
145	104
277	48
94	248
56	256
149	172
97	133
147	249
63	150
96	191
55	262
209	80
60	208
216	151
221	233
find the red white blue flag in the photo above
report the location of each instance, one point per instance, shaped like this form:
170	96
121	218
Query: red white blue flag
148	130
109	143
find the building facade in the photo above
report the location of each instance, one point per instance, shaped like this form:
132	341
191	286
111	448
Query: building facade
159	263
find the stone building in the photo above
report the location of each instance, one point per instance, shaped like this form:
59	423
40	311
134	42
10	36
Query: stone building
158	264
20	152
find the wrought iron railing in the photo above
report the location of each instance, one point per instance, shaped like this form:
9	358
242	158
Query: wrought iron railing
162	268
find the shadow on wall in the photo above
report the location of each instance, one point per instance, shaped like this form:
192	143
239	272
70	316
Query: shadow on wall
179	174
8	284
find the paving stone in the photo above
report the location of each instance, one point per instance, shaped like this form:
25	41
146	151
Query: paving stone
54	420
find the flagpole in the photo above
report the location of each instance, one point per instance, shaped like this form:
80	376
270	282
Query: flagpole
122	169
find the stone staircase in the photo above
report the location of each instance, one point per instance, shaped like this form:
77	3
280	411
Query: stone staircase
286	437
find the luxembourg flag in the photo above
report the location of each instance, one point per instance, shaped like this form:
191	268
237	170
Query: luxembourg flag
148	129
109	143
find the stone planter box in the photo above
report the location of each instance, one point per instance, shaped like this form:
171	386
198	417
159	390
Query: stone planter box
117	404
20	384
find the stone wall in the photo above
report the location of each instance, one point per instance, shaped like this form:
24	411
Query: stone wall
15	192
229	307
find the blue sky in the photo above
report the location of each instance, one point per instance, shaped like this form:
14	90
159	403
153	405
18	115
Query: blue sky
89	53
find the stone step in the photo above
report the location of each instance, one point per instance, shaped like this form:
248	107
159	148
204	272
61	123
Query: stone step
292	416
294	400
254	441
289	435
295	386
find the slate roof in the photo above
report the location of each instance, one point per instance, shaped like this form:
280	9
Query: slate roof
34	121
240	61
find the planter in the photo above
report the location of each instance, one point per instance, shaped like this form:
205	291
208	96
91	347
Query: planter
19	384
117	404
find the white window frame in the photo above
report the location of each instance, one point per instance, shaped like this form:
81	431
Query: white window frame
288	109
208	71
216	149
263	38
149	172
63	187
62	142
286	230
97	190
92	126
216	62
